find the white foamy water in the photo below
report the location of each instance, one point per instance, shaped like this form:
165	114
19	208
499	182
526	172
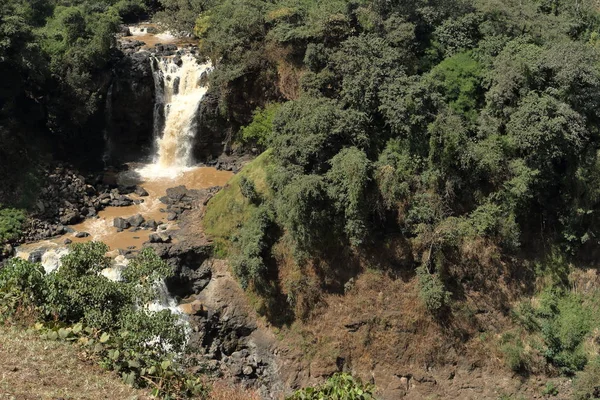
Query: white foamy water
164	300
179	91
138	30
51	259
156	171
166	36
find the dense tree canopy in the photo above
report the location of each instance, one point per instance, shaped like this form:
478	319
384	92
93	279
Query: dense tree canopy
443	120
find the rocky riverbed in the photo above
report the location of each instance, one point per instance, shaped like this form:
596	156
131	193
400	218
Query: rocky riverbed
227	341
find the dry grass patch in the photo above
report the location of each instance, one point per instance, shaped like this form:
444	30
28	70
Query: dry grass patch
32	368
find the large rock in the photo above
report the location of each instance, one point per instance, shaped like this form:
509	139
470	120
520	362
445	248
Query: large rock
150	224
136	221
70	218
121	223
140	191
160	237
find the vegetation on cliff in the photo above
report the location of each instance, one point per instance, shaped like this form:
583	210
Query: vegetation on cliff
465	130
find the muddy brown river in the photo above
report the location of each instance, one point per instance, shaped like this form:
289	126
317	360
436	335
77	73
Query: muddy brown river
156	181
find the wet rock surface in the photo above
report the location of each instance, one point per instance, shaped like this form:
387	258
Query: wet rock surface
129	122
226	339
67	197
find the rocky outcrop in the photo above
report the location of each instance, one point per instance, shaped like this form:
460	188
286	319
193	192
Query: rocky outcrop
67	198
129	119
226	339
180	199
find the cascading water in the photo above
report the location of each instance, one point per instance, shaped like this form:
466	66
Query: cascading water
179	92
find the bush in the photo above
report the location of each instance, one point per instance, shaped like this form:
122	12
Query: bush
249	190
11	223
126	337
513	350
252	246
22	287
259	131
432	290
564	322
338	387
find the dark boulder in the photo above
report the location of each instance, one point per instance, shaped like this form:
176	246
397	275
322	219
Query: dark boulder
136	221
160	237
140	191
150	224
70	218
121	223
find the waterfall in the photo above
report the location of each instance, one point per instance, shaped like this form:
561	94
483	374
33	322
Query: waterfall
178	95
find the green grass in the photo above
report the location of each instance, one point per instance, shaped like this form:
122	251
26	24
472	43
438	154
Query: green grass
229	209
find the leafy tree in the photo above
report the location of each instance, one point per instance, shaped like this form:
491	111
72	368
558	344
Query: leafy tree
348	184
260	130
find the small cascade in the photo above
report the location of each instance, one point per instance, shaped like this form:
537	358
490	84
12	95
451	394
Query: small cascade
164	300
179	92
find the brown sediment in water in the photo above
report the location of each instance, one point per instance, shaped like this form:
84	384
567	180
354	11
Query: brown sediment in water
102	229
152	39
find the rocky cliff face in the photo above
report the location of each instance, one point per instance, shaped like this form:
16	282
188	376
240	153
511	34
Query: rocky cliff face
130	107
227	340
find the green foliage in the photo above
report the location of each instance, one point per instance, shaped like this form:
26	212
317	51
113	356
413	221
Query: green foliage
11	223
550	389
259	131
348	178
513	350
338	387
181	15
460	80
252	246
308	132
249	190
228	210
302	210
125	337
455	124
587	382
22	287
432	291
138	366
564	322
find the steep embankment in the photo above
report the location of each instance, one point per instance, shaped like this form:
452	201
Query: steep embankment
378	327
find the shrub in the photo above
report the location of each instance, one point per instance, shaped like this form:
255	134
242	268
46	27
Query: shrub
338	387
513	350
11	223
125	337
432	290
22	286
259	131
564	322
253	243
249	190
